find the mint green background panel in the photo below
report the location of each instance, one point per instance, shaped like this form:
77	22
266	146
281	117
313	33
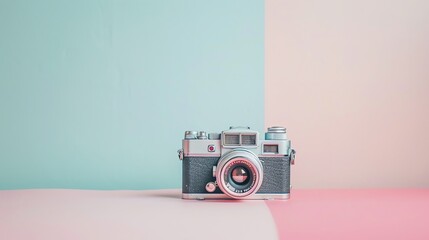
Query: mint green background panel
98	94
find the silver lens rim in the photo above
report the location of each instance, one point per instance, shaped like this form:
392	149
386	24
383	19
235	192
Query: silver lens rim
255	167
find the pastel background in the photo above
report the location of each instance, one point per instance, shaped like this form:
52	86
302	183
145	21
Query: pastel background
350	80
98	94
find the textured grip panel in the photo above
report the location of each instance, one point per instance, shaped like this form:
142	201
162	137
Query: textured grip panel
197	172
276	175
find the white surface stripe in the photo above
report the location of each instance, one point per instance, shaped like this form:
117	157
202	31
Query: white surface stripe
160	214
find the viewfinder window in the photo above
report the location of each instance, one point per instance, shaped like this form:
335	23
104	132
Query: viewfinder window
248	139
271	148
232	139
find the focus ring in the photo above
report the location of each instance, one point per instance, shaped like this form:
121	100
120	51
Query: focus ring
239	158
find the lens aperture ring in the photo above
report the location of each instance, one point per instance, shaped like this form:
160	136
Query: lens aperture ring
246	167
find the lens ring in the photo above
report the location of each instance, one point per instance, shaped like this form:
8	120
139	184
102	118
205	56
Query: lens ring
239	159
247	184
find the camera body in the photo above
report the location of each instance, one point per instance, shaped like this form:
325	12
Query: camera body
236	164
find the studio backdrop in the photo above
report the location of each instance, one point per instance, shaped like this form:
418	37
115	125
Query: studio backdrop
98	94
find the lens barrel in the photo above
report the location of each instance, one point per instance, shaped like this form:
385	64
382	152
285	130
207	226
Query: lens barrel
239	173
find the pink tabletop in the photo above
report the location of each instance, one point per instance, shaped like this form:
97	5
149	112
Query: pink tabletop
353	214
161	214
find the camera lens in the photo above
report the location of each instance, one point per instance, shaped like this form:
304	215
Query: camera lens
240	175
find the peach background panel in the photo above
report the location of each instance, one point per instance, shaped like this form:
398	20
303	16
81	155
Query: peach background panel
350	81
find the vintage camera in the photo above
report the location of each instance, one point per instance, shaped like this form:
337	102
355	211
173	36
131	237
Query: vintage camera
236	164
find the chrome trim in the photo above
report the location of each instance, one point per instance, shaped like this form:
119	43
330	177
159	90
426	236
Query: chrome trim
272	155
277	129
199	147
201	155
202	196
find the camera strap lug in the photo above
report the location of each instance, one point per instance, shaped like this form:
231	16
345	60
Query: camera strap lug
180	154
292	157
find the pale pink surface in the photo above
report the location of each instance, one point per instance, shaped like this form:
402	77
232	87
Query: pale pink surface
350	81
353	214
83	214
